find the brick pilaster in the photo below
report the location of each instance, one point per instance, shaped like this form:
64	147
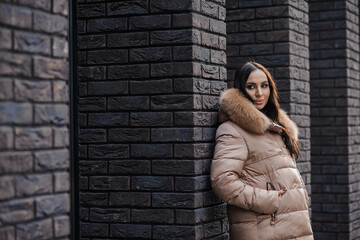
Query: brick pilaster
34	120
150	73
334	47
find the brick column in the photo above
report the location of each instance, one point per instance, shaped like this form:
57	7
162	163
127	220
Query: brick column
334	47
34	118
149	74
275	34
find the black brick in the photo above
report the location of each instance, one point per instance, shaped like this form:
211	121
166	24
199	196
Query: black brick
91	41
151	119
109	151
151	150
170	5
171	37
94	199
130	231
151	86
107	88
114	215
195	119
107	56
129	135
93	167
92	104
176	134
91	73
173	102
209	8
211	229
94	229
92	135
109	183
182	20
129	199
153	54
149	22
199	183
182	232
152	183
127	7
106	24
128	72
153	215
128	39
129	167
108	119
176	167
177	200
91	10
128	103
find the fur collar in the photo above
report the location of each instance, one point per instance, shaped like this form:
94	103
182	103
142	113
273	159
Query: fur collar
243	112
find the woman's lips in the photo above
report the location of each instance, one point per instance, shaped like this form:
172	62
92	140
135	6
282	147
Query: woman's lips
259	102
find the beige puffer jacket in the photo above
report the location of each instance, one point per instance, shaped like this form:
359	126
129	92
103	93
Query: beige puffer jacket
248	154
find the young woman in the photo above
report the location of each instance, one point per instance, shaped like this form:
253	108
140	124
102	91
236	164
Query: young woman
254	169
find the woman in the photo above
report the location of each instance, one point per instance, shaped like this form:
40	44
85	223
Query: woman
254	168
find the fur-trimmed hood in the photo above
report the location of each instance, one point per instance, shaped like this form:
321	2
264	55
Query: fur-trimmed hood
243	112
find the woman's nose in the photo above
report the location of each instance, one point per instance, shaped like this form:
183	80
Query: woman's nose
258	92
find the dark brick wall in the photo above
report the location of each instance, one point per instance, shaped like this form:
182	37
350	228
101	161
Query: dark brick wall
275	34
149	74
34	119
334	47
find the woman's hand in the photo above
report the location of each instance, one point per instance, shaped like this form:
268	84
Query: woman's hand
282	192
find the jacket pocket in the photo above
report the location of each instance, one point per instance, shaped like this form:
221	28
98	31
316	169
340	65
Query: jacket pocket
293	200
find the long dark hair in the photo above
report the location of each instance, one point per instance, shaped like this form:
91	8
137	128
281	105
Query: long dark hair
271	109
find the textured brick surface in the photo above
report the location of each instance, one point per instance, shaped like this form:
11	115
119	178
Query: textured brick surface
149	79
34	120
334	65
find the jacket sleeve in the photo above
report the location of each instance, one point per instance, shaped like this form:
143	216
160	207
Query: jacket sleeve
229	158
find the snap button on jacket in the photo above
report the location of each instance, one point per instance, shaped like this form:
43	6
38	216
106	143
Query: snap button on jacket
249	154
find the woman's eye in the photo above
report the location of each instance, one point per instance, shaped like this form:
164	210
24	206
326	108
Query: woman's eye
264	85
250	87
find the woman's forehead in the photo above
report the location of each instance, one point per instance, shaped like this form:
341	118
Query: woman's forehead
257	76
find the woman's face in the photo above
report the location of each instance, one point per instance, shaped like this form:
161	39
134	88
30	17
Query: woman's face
257	86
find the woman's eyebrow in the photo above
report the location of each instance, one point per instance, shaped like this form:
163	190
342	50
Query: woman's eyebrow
252	83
